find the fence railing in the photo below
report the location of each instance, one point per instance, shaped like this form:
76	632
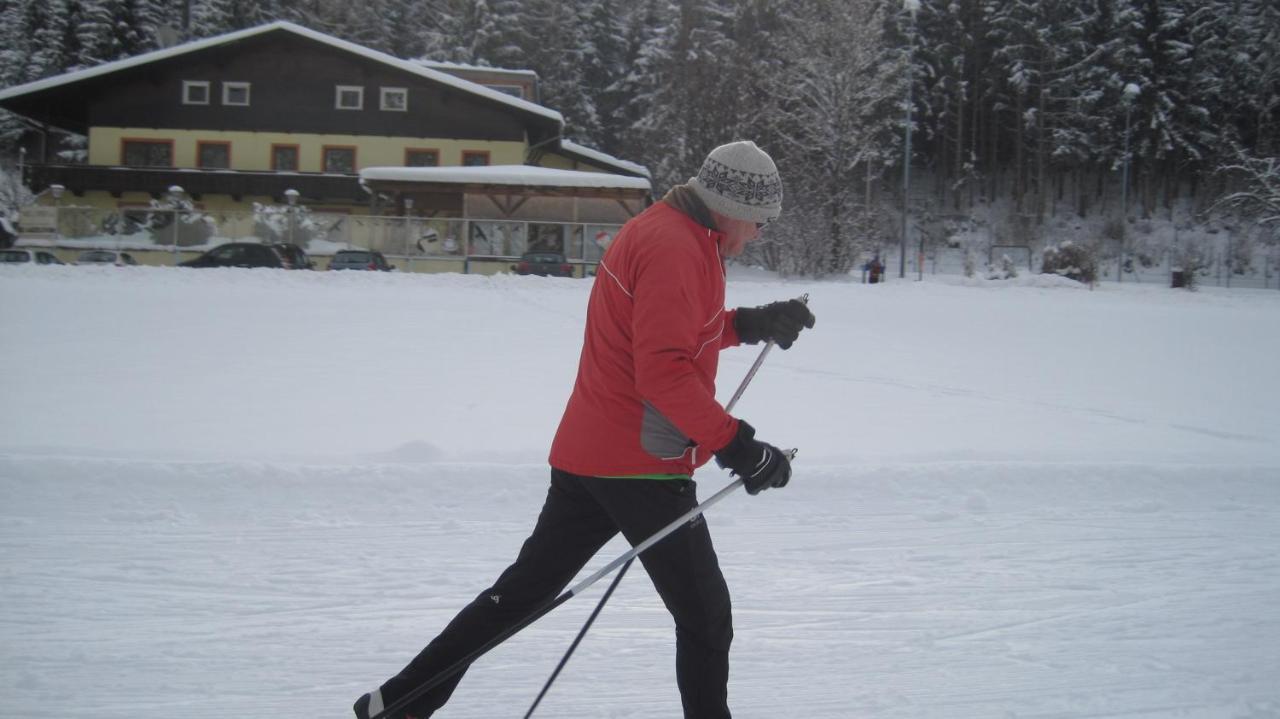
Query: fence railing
164	234
190	229
1261	271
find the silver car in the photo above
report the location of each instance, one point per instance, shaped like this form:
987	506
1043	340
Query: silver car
19	255
105	257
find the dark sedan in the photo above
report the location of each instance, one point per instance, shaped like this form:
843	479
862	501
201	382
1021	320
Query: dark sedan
239	254
547	264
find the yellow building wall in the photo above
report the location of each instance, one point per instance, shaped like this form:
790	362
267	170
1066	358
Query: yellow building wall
251	151
560	162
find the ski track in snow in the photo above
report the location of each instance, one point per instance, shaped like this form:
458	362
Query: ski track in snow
940	590
258	494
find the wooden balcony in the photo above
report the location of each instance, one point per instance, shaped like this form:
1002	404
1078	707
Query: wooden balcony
156	181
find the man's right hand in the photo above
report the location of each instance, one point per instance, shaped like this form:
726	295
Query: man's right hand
760	465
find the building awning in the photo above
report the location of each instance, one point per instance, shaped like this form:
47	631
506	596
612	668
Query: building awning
507	179
79	179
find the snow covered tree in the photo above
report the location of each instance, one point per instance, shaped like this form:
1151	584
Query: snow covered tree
831	116
1257	187
603	64
556	48
116	29
644	34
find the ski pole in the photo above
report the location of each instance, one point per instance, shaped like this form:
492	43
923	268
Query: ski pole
609	592
551	604
733	401
626	558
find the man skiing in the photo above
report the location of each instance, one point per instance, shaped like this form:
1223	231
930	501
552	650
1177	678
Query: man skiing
642	417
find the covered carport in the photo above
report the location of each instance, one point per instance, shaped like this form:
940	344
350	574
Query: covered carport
481	219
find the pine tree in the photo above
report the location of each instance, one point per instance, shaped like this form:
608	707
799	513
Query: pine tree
604	62
689	103
832	113
557	50
644	32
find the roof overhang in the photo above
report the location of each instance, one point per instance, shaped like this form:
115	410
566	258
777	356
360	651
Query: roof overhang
79	179
595	157
508	180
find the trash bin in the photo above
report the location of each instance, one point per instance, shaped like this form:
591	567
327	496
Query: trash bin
1177	278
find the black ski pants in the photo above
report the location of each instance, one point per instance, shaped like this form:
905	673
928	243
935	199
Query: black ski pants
580	515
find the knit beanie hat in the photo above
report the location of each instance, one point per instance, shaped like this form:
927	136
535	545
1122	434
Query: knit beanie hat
739	180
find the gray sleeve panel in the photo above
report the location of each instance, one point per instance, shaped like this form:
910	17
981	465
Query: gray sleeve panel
660	437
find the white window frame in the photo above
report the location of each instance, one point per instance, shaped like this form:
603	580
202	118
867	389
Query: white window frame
385	91
188	85
337	97
226	92
512	90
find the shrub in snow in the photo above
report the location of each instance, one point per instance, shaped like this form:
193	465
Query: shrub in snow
1240	253
1188	265
1113	229
177	220
1075	262
275	223
13	194
1005	269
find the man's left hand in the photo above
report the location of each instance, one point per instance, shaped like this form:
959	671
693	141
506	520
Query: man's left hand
778	321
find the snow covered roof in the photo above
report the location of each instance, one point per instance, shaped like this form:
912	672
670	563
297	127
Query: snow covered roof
574	148
513	175
283	26
441	64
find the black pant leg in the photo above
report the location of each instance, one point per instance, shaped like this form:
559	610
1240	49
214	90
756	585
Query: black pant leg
686	573
570	530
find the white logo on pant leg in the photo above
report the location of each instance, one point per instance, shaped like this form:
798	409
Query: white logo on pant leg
495	597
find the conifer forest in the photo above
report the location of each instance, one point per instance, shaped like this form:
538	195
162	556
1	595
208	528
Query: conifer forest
1014	111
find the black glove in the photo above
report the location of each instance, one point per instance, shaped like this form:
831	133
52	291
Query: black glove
778	321
760	465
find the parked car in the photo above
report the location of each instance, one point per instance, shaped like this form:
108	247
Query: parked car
39	257
295	257
359	260
105	257
547	264
239	254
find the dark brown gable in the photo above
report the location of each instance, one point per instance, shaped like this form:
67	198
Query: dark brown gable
293	82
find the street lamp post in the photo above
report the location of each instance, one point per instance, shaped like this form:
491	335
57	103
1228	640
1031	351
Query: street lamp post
911	6
291	196
408	232
175	199
56	191
1131	92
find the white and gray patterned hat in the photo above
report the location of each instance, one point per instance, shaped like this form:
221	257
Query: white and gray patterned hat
739	180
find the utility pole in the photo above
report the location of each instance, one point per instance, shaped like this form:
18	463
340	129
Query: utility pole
911	6
1131	92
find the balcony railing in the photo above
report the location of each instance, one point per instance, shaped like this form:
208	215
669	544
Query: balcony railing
156	181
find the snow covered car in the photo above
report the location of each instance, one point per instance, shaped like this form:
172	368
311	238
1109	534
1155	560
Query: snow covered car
360	260
239	254
105	257
19	255
547	264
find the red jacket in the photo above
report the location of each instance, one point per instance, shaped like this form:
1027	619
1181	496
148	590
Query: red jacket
644	400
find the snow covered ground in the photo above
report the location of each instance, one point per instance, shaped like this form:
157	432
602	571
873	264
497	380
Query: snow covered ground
251	493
